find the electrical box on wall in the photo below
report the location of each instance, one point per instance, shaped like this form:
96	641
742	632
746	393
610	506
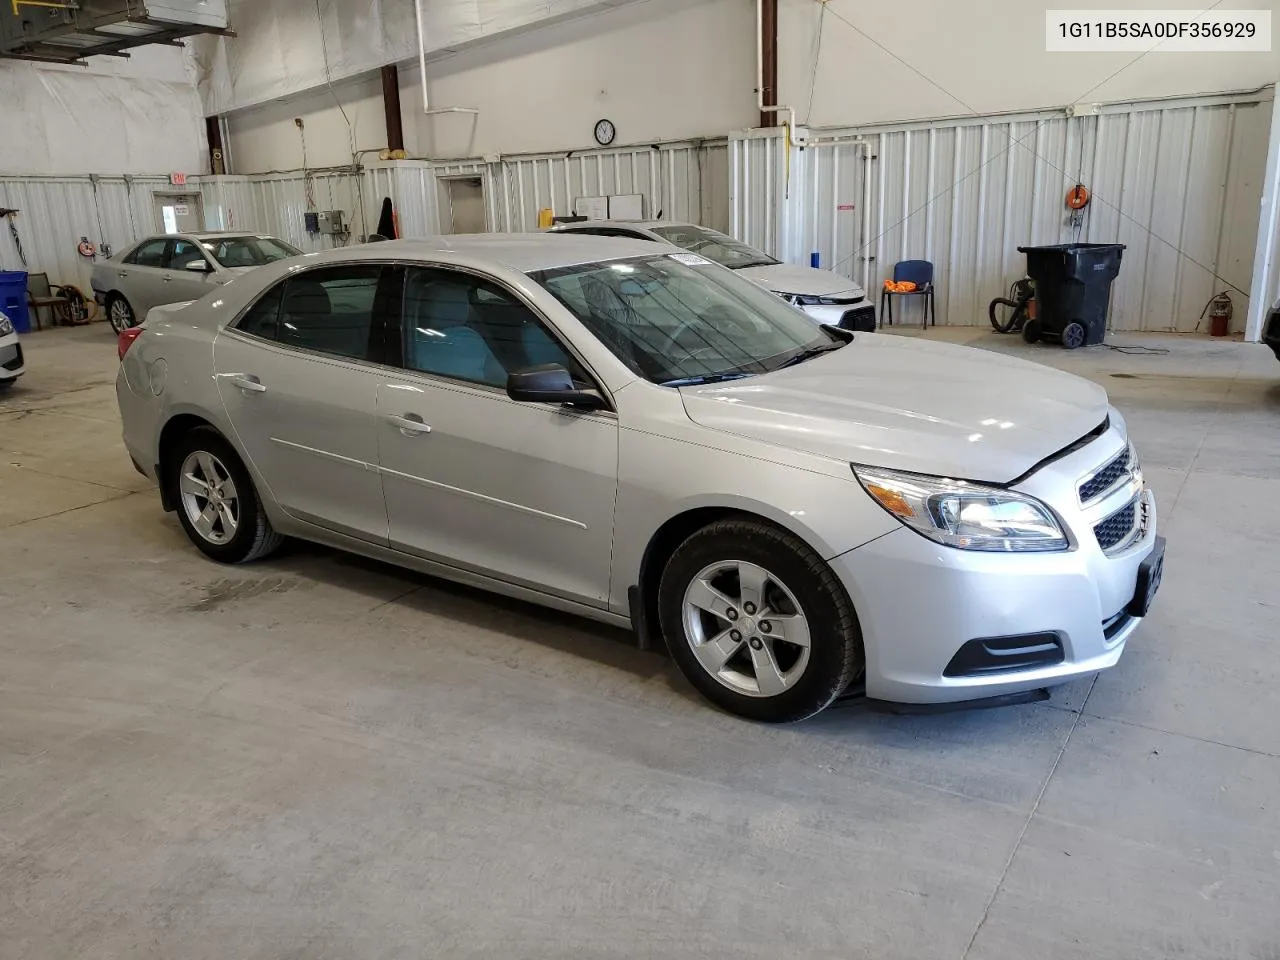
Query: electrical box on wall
330	222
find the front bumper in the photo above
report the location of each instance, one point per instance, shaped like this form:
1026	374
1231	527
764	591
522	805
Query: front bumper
12	363
851	316
920	604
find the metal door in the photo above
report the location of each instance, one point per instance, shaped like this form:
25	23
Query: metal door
179	213
522	492
466	205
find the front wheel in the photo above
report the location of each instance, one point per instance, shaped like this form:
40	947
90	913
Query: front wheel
1031	331
218	505
120	314
758	622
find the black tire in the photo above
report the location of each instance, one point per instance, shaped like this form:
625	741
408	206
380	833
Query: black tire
1073	335
7	384
120	313
1006	315
1031	331
253	537
835	652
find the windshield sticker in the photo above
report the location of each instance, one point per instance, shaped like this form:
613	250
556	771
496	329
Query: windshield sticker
690	259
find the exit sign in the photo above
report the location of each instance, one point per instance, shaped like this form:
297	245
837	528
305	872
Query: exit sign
178	179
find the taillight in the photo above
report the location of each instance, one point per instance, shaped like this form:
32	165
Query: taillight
125	340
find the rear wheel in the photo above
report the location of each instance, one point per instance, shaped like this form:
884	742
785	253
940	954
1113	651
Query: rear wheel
1073	335
1031	331
758	622
218	505
120	314
1006	315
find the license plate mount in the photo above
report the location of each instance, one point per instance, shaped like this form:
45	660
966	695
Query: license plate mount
1150	576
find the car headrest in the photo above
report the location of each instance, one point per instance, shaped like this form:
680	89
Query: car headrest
443	303
307	297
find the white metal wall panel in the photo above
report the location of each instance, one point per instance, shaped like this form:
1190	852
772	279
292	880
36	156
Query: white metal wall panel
1177	181
56	212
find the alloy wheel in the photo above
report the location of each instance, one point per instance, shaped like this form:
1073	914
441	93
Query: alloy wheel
121	316
746	628
209	497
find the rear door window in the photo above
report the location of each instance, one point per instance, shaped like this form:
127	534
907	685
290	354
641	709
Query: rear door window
345	311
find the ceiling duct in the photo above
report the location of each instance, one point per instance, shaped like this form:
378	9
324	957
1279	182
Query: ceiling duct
68	31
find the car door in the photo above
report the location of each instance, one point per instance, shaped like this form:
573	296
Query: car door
299	376
521	492
140	276
180	282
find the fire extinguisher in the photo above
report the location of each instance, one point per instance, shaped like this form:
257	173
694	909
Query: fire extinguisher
1220	311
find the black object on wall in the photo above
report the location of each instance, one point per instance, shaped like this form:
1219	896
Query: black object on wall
387	222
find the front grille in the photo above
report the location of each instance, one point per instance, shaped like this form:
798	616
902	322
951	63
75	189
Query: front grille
840	301
1116	527
14	363
1106	478
859	318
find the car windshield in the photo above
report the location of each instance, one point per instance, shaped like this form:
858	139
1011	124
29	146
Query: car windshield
678	319
249	251
713	245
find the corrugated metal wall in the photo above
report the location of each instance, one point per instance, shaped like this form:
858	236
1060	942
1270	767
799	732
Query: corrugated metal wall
1177	181
56	212
275	204
685	181
677	182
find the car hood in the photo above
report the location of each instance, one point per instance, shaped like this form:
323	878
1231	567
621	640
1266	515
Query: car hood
789	278
912	405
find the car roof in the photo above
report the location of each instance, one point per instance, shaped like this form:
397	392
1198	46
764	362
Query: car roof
204	235
522	252
624	224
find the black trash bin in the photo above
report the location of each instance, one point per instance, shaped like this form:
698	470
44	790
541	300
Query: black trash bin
1073	288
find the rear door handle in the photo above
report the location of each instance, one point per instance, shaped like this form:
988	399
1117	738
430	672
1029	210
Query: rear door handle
123	273
245	381
411	425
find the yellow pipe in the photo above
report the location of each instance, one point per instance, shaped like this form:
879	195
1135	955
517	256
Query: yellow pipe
38	3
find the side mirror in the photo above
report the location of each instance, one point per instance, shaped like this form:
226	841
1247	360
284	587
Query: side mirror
199	266
550	383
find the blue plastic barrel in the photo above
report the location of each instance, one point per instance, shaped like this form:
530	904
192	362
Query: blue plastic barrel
13	299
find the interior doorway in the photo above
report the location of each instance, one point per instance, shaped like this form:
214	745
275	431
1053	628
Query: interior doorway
179	213
464	205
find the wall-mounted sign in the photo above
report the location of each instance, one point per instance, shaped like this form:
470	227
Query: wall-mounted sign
178	179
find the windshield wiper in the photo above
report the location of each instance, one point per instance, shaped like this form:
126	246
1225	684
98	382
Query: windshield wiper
810	353
704	379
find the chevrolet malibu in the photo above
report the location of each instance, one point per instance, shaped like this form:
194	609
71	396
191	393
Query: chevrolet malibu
630	432
176	269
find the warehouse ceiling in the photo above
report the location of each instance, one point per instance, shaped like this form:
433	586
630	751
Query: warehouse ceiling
69	32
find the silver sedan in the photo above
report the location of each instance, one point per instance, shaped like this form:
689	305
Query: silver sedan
174	268
630	432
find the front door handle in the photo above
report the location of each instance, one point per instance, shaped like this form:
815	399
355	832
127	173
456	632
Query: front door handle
123	273
245	381
411	425
168	279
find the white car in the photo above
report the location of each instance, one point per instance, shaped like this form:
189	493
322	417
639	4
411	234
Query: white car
11	363
825	296
628	431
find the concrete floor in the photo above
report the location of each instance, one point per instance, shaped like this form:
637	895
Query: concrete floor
322	757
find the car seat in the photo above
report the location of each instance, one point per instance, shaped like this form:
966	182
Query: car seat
441	340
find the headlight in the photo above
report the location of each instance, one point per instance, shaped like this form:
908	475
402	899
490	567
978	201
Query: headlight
800	299
967	516
6	326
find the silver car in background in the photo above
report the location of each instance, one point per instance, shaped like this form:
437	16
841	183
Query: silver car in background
175	268
824	295
630	432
